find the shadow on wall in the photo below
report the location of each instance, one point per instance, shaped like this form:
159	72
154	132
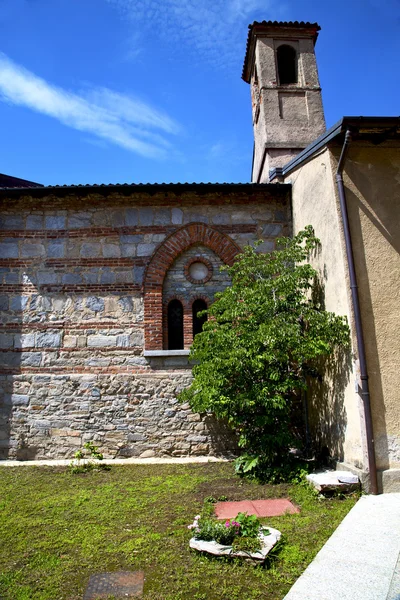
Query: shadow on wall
13	400
326	405
223	439
326	397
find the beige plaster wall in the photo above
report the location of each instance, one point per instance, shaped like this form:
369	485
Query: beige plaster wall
335	416
372	180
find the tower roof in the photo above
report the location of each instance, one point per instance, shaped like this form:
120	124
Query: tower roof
271	28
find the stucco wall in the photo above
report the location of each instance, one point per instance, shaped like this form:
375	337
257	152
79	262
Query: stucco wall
372	180
72	366
335	416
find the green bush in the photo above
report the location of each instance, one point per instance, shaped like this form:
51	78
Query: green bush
264	337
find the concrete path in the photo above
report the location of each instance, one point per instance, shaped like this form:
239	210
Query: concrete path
360	561
182	460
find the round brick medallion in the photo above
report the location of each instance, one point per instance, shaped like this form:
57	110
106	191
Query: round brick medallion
198	270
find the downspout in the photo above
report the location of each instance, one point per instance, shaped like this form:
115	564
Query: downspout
357	318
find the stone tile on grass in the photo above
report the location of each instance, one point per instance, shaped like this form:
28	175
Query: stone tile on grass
260	508
121	584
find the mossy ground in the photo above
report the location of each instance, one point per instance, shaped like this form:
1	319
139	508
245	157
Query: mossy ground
57	528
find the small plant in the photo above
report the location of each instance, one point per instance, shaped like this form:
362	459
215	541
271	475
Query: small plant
91	457
242	532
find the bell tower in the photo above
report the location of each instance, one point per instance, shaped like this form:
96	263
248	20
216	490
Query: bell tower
281	68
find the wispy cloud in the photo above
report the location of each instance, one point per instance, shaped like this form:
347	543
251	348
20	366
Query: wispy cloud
214	29
106	114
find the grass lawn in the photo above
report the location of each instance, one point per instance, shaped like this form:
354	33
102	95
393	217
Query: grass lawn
56	529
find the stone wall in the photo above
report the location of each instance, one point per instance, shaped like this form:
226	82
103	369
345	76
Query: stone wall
72	364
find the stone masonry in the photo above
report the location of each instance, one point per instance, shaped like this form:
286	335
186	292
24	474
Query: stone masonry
73	268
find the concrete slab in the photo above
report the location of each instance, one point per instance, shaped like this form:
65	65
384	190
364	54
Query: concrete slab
331	481
394	590
260	508
359	560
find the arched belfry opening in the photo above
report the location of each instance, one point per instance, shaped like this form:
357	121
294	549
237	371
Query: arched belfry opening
286	57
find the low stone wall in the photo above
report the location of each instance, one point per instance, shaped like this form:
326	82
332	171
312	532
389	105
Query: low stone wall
50	416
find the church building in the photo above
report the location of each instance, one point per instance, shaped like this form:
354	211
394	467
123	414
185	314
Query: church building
100	285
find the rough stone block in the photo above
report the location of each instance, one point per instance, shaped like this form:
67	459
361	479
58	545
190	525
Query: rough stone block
272	230
44	277
107	276
124	276
19	400
145	249
71	278
9	250
11	222
90	250
123	340
56	249
177	216
94	303
31	359
162	216
131	239
34	222
40	303
32	250
126	304
6	340
128	250
138	274
80	220
116	218
4	302
146	216
111	250
100	341
48	340
70	341
24	340
91	276
55	222
137	338
221	219
11	278
131	217
267	246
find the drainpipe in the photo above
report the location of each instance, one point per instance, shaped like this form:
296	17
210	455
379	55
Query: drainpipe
357	318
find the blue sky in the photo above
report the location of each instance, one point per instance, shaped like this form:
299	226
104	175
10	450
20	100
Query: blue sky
114	91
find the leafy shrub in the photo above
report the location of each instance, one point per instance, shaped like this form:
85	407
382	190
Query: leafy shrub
264	336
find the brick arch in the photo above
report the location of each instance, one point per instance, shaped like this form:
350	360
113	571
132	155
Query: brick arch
161	261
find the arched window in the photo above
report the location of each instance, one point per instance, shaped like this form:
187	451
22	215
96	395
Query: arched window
175	325
198	322
287	64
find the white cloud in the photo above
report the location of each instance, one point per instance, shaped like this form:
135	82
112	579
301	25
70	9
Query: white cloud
104	113
214	29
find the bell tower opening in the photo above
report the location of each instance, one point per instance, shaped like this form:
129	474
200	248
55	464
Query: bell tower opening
286	58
